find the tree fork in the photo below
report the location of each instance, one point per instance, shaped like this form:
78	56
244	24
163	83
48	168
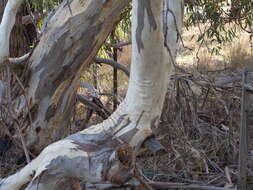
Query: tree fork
106	152
67	46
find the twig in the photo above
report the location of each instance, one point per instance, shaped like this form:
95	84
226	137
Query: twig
68	2
27	19
47	19
33	19
26	100
117	45
19	60
138	175
165	41
168	185
178	32
93	106
184	186
228	175
91	88
11	113
13	139
113	64
21	136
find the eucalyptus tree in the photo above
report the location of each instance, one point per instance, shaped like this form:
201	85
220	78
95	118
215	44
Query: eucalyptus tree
53	70
104	152
69	43
222	19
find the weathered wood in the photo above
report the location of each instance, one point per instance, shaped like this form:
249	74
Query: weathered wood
244	135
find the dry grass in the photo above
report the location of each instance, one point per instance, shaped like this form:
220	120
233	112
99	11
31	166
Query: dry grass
200	132
200	123
234	55
240	54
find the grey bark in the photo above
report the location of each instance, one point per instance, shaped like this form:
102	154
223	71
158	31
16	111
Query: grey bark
69	44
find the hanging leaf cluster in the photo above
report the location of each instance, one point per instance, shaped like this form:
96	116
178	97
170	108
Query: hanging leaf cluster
222	17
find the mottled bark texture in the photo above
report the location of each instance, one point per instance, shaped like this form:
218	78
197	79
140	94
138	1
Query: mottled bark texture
104	152
70	42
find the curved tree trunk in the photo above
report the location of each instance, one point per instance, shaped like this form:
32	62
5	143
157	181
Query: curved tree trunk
104	152
22	37
71	40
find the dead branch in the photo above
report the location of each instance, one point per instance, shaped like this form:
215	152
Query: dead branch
113	64
117	45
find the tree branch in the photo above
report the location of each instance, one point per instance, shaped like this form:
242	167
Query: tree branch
118	45
113	64
19	60
93	106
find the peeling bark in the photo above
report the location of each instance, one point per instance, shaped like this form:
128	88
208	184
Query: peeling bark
104	152
69	44
144	6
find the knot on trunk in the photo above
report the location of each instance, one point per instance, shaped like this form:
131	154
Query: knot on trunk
122	166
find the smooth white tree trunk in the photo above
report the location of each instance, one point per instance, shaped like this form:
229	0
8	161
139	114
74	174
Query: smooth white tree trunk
8	21
105	152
